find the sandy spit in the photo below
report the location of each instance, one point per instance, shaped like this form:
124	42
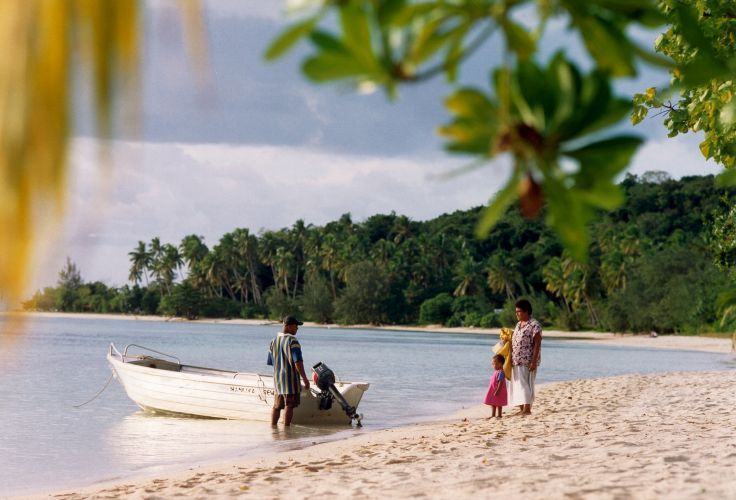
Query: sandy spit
656	436
692	343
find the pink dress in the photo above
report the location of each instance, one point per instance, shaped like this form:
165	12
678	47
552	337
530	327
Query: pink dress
500	399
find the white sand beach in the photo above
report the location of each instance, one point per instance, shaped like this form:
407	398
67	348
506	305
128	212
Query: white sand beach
669	435
655	436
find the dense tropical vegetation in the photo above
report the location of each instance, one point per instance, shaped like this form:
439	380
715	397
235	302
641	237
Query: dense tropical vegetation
545	115
654	264
389	43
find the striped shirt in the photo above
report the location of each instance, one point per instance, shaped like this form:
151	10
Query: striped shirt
284	353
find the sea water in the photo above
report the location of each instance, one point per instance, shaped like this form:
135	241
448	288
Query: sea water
48	443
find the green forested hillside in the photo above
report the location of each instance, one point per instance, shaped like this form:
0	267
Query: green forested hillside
649	267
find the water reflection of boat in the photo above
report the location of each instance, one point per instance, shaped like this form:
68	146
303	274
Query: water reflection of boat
141	441
167	386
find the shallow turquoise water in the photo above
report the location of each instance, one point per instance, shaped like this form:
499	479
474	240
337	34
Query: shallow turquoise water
46	443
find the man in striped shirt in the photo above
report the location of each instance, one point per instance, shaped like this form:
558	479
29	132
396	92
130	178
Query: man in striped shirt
285	354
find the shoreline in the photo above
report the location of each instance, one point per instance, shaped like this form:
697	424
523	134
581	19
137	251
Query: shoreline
207	478
652	440
678	342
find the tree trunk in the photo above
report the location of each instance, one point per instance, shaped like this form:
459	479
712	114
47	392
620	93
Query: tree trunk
591	310
296	281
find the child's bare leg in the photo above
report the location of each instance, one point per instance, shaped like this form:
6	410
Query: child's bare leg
500	411
493	411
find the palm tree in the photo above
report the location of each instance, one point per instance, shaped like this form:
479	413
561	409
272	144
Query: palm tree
555	279
298	237
503	275
246	253
382	252
156	252
401	229
283	261
193	250
619	253
166	267
467	276
569	280
613	270
141	261
328	253
313	250
233	269
269	244
346	223
349	251
216	271
442	249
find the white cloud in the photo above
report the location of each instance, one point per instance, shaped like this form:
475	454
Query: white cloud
171	190
679	156
240	9
262	9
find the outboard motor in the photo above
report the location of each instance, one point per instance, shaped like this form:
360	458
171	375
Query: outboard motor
324	378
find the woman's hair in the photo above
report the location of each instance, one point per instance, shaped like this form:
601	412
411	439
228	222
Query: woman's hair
524	305
499	358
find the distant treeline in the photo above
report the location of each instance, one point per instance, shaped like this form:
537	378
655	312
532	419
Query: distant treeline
650	267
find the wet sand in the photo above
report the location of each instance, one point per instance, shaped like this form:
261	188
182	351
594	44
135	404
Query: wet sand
667	435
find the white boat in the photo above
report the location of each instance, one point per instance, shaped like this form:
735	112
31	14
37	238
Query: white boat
167	386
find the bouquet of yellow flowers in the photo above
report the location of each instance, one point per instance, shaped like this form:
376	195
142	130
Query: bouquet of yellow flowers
504	349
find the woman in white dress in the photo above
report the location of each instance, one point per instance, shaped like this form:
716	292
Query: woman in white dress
526	345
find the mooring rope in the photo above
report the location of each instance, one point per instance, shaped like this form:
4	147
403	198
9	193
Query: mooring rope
98	392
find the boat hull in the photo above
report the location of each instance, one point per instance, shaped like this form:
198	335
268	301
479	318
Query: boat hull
211	393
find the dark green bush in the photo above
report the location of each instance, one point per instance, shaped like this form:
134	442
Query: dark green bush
279	305
184	301
436	310
221	307
490	320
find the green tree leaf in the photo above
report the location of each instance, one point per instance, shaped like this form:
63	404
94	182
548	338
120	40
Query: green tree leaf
498	204
727	178
289	38
604	159
608	45
332	66
357	33
519	39
327	42
568	216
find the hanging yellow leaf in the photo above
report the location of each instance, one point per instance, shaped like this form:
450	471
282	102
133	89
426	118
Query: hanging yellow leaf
41	40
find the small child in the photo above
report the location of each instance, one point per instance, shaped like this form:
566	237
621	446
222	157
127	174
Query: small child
496	397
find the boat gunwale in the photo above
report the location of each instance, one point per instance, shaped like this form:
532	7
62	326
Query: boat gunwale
216	379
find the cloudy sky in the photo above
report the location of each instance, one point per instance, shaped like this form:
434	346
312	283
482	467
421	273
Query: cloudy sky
259	147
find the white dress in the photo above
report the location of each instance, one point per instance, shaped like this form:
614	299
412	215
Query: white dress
521	386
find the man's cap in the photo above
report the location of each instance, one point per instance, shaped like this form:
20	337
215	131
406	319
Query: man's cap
291	320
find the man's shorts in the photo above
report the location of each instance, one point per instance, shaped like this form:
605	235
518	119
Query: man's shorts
282	400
